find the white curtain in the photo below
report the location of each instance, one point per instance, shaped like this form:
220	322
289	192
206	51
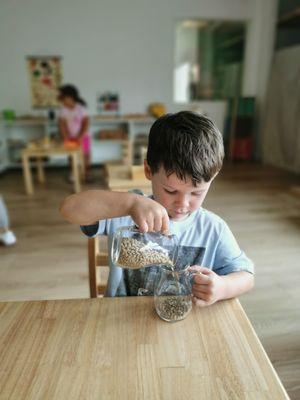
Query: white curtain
281	128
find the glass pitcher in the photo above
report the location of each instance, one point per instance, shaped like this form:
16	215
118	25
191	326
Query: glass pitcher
173	294
133	249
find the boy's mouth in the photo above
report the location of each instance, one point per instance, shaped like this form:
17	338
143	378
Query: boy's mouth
179	214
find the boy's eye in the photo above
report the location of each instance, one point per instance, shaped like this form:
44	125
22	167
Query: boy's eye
169	191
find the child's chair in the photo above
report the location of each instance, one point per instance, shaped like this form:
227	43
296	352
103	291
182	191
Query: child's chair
98	265
127	177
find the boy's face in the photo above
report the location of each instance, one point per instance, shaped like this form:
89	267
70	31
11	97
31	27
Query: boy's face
180	198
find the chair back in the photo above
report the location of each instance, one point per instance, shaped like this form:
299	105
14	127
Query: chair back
98	265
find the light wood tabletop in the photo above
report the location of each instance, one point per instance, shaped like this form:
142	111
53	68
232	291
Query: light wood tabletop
118	348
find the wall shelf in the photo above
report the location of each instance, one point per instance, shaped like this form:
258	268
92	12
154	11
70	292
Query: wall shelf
103	150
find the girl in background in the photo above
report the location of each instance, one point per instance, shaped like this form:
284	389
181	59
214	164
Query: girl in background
74	122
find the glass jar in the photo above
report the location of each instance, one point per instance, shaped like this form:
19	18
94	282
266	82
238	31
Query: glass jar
173	294
133	249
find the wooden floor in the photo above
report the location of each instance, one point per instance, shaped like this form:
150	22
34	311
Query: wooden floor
50	258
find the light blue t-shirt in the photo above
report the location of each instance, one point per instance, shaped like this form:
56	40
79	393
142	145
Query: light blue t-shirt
204	239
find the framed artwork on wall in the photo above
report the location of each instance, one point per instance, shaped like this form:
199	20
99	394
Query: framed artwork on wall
45	77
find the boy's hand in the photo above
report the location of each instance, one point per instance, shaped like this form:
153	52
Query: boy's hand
149	215
207	287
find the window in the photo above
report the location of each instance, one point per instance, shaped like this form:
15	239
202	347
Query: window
209	58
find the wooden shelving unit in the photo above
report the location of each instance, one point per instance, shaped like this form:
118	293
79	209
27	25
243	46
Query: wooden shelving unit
36	128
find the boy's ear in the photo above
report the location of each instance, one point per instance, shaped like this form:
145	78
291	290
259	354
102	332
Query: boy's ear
147	170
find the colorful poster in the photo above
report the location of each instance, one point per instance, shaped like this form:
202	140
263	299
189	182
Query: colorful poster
45	77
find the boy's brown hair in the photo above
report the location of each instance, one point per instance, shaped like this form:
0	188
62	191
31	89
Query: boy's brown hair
186	143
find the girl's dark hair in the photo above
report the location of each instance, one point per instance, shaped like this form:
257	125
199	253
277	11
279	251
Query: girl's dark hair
70	91
186	143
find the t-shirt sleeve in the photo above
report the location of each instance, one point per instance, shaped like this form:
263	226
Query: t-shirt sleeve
229	257
99	228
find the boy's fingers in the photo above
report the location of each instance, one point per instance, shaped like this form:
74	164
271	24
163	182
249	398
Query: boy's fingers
201	279
199	302
165	224
150	223
194	268
157	224
143	226
201	271
199	268
204	270
201	296
201	288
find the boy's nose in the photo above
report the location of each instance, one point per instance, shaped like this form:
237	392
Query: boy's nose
182	201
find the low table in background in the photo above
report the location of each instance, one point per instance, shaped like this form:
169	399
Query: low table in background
40	153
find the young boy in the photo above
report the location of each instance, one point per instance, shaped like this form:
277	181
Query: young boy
185	153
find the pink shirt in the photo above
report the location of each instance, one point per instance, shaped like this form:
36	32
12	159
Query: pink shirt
74	118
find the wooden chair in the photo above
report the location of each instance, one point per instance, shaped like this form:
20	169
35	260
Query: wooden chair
124	178
98	265
126	152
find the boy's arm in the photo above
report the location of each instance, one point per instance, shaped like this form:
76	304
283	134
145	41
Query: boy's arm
210	287
87	207
235	284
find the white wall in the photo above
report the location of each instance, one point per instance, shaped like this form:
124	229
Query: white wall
258	59
126	46
280	128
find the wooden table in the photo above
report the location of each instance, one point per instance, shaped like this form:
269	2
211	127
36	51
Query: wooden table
39	153
118	348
